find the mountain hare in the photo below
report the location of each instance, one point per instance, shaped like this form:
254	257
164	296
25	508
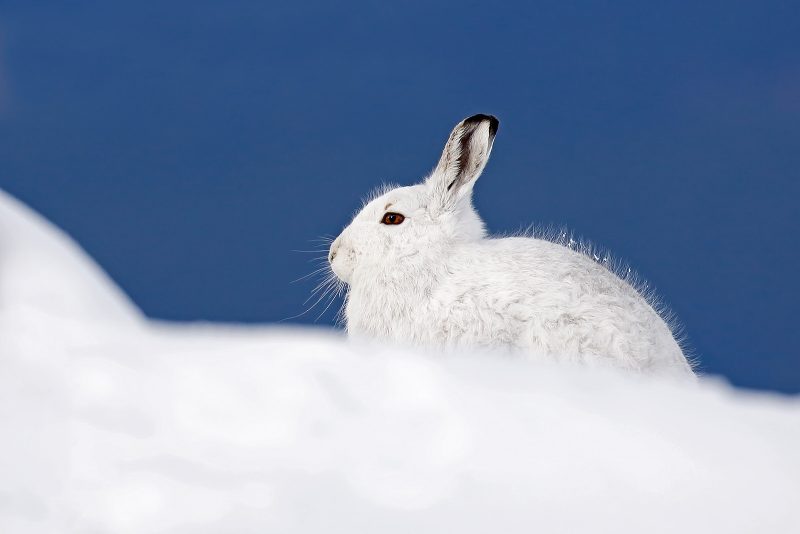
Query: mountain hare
422	271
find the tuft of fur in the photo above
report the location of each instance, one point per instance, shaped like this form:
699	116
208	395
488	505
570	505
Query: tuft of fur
620	268
437	280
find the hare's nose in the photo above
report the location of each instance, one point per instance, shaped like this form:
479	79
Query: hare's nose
334	249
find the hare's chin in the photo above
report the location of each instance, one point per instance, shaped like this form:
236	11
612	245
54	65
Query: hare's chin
342	271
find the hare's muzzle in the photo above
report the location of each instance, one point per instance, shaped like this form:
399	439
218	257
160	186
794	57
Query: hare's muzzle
334	249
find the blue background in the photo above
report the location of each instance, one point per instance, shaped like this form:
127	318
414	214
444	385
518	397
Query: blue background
191	146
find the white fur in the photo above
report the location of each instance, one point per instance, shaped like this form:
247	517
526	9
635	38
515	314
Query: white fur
436	280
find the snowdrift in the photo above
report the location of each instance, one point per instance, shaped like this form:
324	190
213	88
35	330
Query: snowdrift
111	423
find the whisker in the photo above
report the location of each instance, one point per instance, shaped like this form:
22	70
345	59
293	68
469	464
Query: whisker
307	309
325	284
321	297
312	273
317	251
341	289
339	319
329	288
330	301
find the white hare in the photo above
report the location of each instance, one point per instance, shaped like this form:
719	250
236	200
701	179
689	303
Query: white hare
422	271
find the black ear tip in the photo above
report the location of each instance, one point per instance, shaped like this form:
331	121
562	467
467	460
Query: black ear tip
494	124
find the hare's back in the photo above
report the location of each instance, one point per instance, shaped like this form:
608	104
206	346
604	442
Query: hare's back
548	295
541	263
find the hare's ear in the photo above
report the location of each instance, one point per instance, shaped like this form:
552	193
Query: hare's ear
463	159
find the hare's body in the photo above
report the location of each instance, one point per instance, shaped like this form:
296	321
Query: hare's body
421	271
528	295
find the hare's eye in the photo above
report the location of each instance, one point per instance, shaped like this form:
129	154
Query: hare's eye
392	218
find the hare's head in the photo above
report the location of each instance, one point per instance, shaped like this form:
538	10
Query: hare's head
404	225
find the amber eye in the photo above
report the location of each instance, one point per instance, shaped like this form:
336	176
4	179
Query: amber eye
392	218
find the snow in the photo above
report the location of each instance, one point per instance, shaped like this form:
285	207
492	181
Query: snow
112	423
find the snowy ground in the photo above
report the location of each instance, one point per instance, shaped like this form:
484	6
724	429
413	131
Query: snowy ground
113	424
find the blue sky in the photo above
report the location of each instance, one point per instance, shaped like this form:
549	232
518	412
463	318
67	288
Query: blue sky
190	147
